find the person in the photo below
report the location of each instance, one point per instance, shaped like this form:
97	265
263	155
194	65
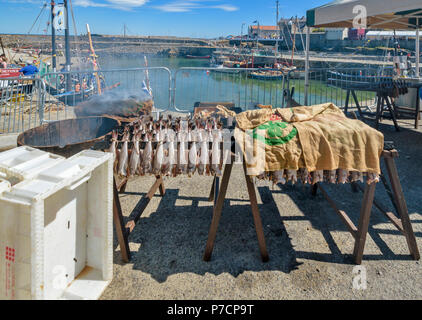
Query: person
29	69
3	61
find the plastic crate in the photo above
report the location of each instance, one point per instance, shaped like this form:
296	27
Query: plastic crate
56	232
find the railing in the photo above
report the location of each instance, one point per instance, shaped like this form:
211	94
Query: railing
67	89
235	85
21	104
26	103
331	85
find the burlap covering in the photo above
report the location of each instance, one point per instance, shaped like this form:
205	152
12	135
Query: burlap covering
318	137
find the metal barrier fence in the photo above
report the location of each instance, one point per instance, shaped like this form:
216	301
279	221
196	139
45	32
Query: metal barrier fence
21	104
64	90
330	85
26	103
243	87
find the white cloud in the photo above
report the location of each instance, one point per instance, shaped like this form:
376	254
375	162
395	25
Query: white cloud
115	4
178	6
226	7
128	3
189	5
88	3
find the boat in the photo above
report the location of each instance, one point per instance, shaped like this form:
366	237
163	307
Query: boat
355	81
223	69
237	64
188	56
267	75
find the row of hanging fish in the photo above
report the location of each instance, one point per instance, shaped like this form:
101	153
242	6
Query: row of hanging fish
170	147
340	176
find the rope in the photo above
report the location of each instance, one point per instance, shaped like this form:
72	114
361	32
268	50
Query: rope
42	9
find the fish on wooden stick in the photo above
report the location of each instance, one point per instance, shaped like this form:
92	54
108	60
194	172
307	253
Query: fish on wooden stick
124	154
204	154
147	155
278	177
182	160
158	155
342	176
113	149
193	152
291	176
135	156
172	154
217	138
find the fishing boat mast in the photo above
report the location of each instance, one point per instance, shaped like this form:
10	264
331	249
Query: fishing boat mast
66	37
53	39
67	47
93	59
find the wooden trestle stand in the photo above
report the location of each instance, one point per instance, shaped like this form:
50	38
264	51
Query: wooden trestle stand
359	233
218	195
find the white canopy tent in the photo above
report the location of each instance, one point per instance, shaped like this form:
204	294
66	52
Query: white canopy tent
379	14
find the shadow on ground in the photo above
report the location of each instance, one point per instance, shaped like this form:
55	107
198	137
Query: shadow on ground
172	239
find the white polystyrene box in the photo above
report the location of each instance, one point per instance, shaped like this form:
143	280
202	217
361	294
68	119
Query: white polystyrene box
56	232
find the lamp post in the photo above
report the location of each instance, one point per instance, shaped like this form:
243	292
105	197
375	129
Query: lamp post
241	34
257	32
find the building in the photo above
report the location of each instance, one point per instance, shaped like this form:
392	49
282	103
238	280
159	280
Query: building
292	26
384	35
336	33
264	32
356	34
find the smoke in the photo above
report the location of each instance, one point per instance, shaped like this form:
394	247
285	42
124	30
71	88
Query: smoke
121	103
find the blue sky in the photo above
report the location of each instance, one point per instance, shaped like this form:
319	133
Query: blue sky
190	18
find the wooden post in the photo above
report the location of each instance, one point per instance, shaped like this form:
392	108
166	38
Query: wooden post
256	216
161	187
357	102
122	233
365	214
380	103
218	207
346	104
401	204
212	195
392	113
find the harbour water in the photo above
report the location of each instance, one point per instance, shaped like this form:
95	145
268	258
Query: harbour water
194	81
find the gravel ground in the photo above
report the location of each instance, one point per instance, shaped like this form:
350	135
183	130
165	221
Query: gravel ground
309	247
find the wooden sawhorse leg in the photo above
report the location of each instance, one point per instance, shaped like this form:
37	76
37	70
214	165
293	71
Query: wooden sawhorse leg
355	98
124	231
403	224
256	216
392	113
360	232
380	106
142	205
400	202
365	214
346	104
218	206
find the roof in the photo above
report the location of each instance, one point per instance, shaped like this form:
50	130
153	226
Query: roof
381	14
391	33
266	28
